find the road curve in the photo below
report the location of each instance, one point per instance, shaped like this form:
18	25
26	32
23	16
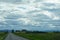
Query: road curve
14	37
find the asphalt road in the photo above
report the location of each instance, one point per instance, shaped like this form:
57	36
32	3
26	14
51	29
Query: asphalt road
14	37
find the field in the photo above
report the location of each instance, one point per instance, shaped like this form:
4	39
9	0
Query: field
2	35
39	36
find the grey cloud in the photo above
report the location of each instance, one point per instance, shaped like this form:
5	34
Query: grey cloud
55	22
49	4
9	1
15	1
13	16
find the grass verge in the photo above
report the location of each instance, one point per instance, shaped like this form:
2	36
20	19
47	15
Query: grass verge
2	35
40	36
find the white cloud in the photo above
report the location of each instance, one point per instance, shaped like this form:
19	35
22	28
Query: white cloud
52	26
52	5
26	21
35	23
51	15
56	18
2	19
52	1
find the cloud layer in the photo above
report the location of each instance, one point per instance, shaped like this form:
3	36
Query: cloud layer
30	15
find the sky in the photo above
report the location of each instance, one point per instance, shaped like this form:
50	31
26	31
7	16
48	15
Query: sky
39	15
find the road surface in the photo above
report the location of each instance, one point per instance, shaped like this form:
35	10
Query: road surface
14	37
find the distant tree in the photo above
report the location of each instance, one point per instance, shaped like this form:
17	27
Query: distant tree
12	30
17	30
24	30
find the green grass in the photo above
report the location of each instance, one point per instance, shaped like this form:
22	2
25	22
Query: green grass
2	35
40	36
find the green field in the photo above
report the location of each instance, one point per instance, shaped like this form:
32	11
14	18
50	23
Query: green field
40	36
2	35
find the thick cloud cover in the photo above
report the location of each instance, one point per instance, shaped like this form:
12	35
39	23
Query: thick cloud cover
30	14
